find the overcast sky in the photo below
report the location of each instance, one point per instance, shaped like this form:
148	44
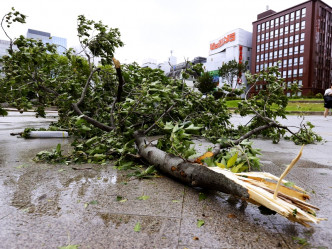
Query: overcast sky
149	28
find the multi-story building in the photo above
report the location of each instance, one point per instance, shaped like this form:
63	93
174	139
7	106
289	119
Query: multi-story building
46	37
234	45
300	39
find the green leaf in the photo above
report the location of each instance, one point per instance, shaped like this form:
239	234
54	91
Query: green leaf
232	160
237	168
144	197
200	223
93	202
209	161
69	247
201	196
289	184
58	149
137	227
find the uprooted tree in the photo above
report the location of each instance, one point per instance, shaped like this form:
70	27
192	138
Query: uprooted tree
111	109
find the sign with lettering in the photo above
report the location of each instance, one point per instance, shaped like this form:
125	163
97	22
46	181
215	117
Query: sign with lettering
222	41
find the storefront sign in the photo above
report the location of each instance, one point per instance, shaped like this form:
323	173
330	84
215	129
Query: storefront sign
222	41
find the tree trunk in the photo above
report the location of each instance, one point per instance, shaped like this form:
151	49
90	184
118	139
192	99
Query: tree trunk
192	174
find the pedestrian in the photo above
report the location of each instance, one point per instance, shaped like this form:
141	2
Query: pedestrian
327	100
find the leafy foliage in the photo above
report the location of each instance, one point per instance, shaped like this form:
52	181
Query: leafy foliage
205	83
86	96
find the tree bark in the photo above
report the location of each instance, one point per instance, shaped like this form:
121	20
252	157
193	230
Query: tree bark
192	174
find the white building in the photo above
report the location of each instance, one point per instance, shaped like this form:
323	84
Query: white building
234	45
46	37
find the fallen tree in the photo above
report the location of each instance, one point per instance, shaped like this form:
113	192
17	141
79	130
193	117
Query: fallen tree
110	107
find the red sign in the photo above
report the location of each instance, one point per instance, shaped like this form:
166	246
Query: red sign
222	41
240	54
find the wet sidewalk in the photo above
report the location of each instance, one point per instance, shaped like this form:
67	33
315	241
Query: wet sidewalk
94	206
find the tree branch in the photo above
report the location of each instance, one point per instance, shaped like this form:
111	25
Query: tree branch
86	86
192	174
91	120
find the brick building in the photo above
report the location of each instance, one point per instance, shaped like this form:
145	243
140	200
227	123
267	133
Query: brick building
300	38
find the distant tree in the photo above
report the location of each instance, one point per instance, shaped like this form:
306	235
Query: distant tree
231	70
205	83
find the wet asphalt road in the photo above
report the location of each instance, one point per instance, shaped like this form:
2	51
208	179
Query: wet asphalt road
51	206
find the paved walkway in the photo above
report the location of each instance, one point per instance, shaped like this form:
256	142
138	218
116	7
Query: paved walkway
50	206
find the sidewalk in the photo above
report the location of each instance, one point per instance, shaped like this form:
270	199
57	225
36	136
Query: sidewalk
50	206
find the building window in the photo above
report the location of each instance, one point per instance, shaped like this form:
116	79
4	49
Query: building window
302	37
276	33
291	28
271	45
270	64
285	51
267	46
275	63
286	30
267	24
289	73
303	25
300	84
290	51
301	61
296	40
263	37
257	58
265	66
272	23
262	47
271	34
275	54
258	38
304	12
298	14
281	20
263	26
281	42
275	43
261	67
280	53
288	94
279	65
296	49
286	18
295	73
286	41
258	48
290	62
258	28
266	56
257	68
300	72
281	31
301	48
295	61
284	63
292	16
284	74
291	39
297	26
277	21
289	84
262	57
267	36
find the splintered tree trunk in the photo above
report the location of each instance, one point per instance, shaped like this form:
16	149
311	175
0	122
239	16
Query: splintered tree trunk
192	174
255	187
